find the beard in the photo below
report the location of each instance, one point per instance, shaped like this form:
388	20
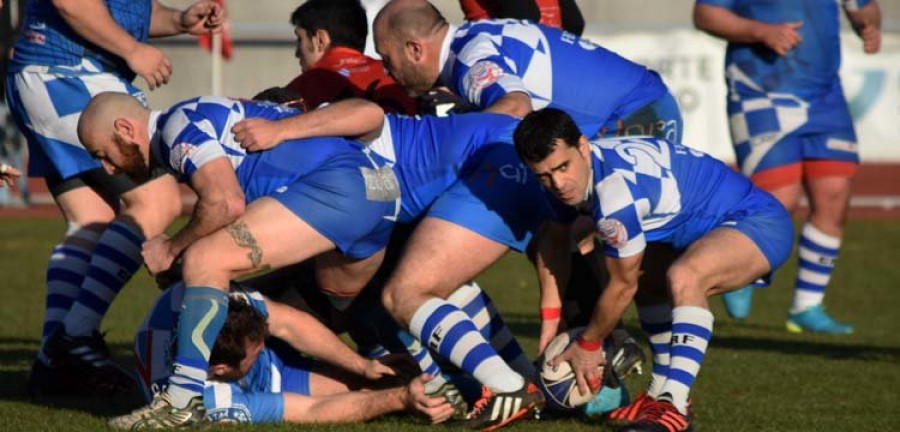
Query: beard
133	164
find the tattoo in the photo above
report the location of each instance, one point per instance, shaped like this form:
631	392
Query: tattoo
244	238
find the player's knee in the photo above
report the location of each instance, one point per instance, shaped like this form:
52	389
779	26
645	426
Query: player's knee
199	263
684	281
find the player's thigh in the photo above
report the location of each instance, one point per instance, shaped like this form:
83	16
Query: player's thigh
723	259
83	206
439	257
267	235
342	275
652	284
153	205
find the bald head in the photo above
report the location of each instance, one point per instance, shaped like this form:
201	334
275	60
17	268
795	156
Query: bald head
97	124
408	19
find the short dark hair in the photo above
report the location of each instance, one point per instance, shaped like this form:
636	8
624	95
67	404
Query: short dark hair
536	135
344	20
243	323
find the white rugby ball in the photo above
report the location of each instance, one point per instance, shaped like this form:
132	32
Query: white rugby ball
558	382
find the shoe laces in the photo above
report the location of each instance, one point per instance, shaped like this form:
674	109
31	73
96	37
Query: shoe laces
482	402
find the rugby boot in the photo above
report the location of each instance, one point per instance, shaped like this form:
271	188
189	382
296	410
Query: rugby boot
606	400
454	398
161	414
627	357
495	410
738	302
659	416
86	359
45	380
814	319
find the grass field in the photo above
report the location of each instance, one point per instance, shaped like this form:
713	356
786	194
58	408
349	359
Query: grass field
756	377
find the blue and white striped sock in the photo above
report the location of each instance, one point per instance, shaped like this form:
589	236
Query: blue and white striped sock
66	268
479	307
425	361
451	333
691	331
203	313
114	260
818	253
656	321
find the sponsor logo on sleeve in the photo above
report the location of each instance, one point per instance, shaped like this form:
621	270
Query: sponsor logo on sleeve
180	154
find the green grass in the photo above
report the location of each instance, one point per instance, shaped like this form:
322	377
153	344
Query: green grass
755	377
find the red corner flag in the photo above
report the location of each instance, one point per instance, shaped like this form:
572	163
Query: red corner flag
205	40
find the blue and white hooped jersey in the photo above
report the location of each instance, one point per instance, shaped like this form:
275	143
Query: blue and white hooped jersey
156	337
197	131
429	153
485	60
647	189
809	69
47	40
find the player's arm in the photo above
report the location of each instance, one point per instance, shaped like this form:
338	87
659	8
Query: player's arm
351	117
724	23
516	104
489	83
356	406
201	17
554	267
220	201
91	20
866	22
306	334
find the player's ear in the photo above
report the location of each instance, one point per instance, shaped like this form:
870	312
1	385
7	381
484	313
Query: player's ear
414	50
321	40
218	370
584	147
123	128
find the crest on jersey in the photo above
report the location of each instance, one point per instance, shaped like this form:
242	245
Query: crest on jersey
613	232
180	154
482	75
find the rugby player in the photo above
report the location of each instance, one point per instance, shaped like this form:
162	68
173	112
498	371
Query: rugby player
791	126
253	379
321	198
70	50
642	190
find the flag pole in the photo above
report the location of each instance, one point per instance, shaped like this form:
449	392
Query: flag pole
216	64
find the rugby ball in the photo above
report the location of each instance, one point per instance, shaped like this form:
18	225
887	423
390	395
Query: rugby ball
557	383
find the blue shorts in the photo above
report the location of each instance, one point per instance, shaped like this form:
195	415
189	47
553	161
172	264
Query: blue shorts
660	118
499	199
46	103
759	216
782	138
345	201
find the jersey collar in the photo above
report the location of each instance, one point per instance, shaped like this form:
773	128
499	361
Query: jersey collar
155	138
445	51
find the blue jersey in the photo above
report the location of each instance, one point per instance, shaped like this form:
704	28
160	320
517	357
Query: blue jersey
485	60
429	154
47	40
197	131
810	68
646	189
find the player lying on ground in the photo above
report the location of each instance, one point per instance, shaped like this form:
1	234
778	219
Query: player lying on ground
638	191
269	209
258	380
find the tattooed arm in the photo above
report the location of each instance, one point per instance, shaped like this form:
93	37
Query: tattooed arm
220	202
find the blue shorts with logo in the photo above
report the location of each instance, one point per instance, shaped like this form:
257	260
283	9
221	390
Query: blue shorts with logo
758	215
499	198
46	103
660	118
351	199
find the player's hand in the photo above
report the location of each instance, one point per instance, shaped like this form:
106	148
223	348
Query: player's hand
151	64
257	134
435	408
157	254
376	370
403	367
549	330
8	174
782	38
202	17
871	37
587	365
